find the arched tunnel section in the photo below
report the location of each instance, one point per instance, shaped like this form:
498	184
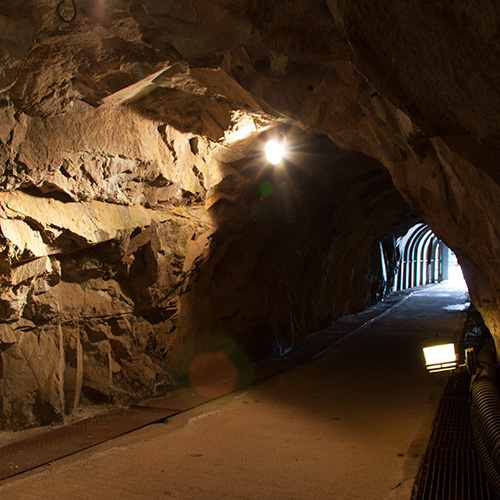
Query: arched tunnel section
424	259
141	226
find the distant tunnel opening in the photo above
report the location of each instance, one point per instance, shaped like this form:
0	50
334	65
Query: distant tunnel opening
424	259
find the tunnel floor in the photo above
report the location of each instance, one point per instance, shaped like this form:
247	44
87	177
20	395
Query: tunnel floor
353	423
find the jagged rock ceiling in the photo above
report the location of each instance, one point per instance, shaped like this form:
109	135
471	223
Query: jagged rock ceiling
140	222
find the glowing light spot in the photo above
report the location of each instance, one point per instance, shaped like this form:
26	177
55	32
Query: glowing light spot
274	151
212	375
439	354
266	189
440	357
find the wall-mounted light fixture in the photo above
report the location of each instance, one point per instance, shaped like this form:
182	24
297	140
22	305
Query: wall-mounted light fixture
440	358
274	150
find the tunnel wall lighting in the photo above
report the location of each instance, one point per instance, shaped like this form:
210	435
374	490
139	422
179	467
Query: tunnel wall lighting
440	358
274	151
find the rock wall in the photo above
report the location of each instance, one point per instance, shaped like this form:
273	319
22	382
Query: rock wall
126	255
439	66
139	221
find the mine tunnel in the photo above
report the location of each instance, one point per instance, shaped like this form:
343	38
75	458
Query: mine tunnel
247	219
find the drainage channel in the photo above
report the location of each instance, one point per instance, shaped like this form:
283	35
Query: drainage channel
451	468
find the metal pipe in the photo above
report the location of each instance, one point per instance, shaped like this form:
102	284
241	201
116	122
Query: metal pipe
487	465
485	417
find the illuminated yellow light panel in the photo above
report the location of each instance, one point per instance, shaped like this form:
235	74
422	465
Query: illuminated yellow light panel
440	357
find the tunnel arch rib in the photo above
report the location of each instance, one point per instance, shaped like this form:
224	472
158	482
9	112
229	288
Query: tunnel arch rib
422	258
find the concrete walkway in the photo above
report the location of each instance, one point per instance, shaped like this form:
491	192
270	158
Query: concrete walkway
352	424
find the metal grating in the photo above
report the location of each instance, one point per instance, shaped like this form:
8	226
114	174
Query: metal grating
450	469
451	474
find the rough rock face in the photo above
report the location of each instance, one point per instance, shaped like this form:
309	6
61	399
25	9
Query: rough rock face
449	172
106	301
139	222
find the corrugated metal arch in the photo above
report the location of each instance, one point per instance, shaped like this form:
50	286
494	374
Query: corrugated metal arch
422	256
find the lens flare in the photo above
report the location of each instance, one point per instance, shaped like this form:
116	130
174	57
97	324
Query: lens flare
266	188
274	151
212	374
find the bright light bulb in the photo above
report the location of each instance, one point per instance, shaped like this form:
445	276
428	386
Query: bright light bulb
274	151
440	354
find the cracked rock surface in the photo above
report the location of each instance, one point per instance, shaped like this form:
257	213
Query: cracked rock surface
140	224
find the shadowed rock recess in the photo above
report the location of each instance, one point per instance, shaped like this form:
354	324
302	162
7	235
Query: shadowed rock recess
140	224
